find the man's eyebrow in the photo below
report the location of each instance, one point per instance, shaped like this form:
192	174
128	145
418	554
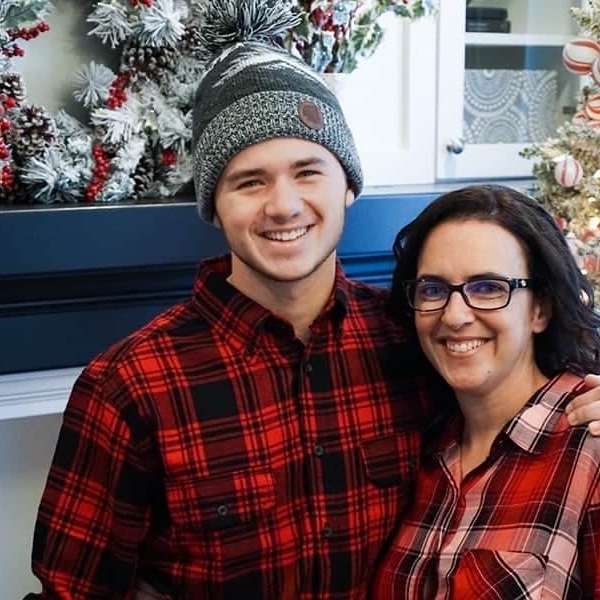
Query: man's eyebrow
241	174
312	161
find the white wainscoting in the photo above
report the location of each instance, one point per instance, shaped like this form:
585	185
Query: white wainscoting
35	393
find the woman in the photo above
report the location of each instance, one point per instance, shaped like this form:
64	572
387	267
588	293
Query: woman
507	504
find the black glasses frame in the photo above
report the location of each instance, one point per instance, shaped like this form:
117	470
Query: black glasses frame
514	283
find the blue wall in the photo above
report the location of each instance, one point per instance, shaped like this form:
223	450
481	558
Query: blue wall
74	280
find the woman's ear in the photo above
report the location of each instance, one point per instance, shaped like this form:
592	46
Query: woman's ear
542	313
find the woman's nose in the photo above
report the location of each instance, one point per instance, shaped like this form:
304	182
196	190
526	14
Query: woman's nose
457	312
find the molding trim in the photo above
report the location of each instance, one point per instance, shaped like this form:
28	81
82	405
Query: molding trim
36	393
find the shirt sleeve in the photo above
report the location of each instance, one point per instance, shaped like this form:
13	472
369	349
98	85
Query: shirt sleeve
95	508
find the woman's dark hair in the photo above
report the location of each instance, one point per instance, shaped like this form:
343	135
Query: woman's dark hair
571	338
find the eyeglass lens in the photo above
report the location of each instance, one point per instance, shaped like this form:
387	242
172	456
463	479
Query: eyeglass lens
481	293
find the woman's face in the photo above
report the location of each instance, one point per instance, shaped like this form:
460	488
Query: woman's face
479	352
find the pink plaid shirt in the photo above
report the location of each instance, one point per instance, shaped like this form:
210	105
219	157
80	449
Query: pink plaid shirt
524	524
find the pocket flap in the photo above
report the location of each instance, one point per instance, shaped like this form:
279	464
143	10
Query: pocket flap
392	459
222	500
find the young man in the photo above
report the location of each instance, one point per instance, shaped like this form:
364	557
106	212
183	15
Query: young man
259	440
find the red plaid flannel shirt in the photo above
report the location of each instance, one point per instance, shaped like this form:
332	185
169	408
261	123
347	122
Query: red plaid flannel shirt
212	455
524	524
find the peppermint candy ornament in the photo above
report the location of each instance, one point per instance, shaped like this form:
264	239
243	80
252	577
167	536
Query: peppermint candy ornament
595	70
579	55
592	107
568	172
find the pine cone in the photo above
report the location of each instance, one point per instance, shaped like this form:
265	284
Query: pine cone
190	40
13	85
16	194
143	175
33	130
148	61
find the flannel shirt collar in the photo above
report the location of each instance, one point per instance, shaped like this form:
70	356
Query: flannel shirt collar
241	321
543	414
533	425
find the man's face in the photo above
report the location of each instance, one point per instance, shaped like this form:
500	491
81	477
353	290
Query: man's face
281	205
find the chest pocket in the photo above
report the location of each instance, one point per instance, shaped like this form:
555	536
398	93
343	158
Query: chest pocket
389	465
392	460
491	574
221	501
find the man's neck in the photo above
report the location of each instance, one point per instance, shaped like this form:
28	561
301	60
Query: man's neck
298	302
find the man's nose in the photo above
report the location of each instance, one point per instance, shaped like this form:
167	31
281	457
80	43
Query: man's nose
284	199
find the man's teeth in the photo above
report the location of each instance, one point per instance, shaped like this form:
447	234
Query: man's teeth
286	236
463	346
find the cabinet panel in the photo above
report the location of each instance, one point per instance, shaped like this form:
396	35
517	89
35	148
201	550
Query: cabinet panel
390	104
500	91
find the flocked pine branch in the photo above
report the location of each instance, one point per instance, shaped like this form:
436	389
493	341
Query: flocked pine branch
92	84
119	124
162	23
111	21
15	13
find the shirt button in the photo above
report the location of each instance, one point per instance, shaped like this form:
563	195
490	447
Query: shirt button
319	450
327	531
308	368
222	510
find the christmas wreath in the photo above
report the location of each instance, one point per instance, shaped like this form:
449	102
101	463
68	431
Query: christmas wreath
136	143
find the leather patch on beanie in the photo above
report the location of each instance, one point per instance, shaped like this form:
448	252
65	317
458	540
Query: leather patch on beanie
310	114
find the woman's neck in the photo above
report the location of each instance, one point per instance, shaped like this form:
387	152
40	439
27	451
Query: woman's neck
485	417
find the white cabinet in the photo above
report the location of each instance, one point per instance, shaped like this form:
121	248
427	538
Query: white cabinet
498	92
439	104
389	102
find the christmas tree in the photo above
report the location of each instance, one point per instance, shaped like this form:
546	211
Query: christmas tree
567	166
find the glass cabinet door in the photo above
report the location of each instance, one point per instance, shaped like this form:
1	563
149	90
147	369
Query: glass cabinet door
501	83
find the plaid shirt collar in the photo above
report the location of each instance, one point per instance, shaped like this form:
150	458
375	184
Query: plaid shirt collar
240	320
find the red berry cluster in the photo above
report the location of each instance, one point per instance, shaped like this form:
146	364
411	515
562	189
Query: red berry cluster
6	102
26	34
323	19
7	177
4	149
169	157
6	174
117	95
146	3
99	173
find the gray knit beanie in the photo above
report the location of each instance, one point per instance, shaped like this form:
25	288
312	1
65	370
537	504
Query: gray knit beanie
253	91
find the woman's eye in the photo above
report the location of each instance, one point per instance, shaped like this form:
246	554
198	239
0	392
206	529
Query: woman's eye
485	287
431	290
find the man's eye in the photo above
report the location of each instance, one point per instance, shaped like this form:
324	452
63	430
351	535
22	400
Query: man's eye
308	173
249	183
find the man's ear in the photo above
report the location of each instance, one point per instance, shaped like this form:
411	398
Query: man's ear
216	221
350	197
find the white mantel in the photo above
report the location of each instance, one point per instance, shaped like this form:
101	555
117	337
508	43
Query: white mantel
35	393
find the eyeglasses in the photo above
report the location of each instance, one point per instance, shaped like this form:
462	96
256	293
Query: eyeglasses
427	295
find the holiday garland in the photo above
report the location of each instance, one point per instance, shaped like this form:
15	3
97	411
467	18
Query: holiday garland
137	141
